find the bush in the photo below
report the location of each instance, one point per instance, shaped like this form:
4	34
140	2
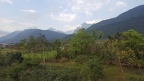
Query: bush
82	59
52	54
45	73
63	60
15	56
12	57
30	63
134	79
14	73
2	60
17	73
92	70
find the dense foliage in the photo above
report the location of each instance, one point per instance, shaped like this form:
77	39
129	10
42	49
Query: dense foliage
82	58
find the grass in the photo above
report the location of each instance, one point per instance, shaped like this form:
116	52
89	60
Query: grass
6	50
45	55
113	73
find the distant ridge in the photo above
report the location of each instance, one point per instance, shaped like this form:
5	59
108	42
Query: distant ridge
131	19
9	36
16	37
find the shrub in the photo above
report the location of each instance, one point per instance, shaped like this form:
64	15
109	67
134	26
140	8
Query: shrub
82	59
15	56
63	60
52	54
92	70
45	73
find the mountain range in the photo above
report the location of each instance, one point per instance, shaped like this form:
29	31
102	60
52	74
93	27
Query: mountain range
51	34
16	37
131	19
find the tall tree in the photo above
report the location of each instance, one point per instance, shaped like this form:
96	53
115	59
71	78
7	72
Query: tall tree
129	45
134	41
56	45
80	42
42	45
31	44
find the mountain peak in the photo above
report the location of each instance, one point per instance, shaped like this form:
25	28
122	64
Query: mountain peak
85	25
52	29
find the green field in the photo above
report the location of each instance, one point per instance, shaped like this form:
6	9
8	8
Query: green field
6	50
111	73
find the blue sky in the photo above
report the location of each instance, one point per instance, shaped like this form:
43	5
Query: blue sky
59	14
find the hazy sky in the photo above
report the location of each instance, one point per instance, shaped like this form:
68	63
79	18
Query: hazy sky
59	14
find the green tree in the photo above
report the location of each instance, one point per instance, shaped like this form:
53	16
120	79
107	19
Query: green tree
100	35
42	45
80	42
134	41
128	47
56	45
31	44
19	45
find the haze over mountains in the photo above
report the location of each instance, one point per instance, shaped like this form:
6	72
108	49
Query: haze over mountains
83	25
132	19
3	33
17	36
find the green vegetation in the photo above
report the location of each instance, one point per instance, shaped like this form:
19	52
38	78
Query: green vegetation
85	57
6	50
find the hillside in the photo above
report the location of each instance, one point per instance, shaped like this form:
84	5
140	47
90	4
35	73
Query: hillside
131	19
3	33
50	35
9	36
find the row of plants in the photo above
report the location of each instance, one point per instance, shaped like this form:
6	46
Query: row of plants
15	68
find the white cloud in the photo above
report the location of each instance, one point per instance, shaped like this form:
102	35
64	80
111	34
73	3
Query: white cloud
87	6
5	21
69	27
29	11
120	4
12	25
93	21
7	1
31	14
64	17
117	6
